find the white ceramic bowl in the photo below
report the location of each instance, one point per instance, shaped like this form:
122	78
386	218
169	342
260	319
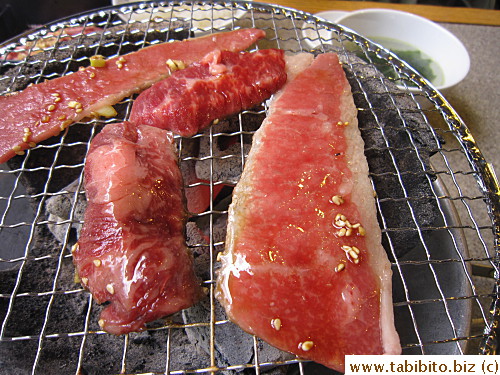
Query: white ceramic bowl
312	36
387	26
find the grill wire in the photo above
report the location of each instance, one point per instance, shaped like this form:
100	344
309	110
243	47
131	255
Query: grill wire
446	298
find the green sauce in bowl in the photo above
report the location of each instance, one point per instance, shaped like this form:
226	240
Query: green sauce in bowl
417	59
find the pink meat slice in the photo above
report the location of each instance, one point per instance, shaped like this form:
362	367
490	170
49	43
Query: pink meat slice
222	84
304	268
43	110
131	249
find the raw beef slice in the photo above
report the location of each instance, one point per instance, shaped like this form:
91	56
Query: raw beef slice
131	250
304	268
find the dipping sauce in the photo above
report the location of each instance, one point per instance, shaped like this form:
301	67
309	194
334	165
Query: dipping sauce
419	60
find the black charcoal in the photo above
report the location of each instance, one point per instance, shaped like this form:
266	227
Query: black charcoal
398	145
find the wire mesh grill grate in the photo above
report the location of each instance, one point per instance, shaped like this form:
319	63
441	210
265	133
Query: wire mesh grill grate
423	163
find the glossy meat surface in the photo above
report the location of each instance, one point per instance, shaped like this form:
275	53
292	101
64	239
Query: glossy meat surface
131	249
47	108
222	84
304	268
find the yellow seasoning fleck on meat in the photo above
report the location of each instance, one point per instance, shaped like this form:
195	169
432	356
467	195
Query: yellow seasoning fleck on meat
340	267
340	223
337	199
175	65
319	212
276	323
171	65
97	61
74	247
361	231
296	227
180	64
110	289
353	254
106	111
120	62
85	281
306	345
101	323
97	262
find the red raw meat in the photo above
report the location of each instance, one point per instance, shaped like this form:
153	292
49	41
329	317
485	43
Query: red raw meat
198	197
304	268
43	110
131	249
222	84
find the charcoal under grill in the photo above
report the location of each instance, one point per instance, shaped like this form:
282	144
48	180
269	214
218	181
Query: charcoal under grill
442	235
